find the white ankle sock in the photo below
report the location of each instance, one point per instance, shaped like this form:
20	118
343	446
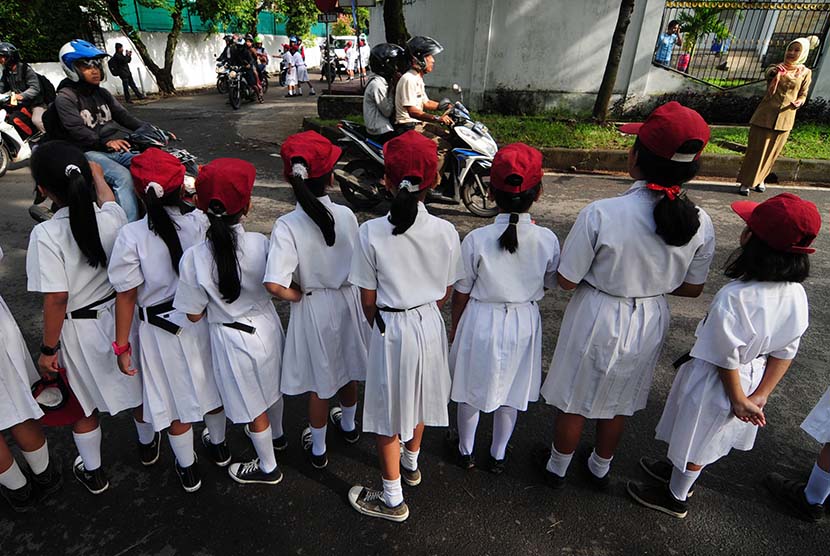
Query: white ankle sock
409	460
818	486
216	425
598	465
467	425
275	417
38	460
182	445
89	448
504	420
392	492
681	482
347	419
318	440
145	432
13	478
558	462
264	449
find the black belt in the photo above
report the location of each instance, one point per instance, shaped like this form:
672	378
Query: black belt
89	312
379	319
151	316
682	360
240	326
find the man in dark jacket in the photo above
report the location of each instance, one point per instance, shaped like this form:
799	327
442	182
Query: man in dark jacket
20	78
120	67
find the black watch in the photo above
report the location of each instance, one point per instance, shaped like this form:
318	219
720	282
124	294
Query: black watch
46	350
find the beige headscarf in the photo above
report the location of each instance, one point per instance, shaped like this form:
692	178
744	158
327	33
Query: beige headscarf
807	43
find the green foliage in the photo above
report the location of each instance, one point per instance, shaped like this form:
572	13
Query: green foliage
700	22
38	28
299	15
345	23
241	13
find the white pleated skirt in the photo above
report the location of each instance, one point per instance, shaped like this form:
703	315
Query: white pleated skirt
17	374
177	372
697	422
496	358
605	356
291	76
302	74
408	376
817	423
247	366
326	343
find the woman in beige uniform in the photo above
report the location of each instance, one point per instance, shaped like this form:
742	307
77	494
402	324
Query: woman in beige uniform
770	126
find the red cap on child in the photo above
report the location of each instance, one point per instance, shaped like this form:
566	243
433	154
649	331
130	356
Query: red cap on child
516	168
785	222
411	155
667	128
157	170
227	180
316	151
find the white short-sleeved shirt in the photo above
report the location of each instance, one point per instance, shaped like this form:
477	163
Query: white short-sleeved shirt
750	319
410	269
495	275
299	253
141	258
365	51
298	59
614	247
351	57
378	106
409	91
288	58
198	287
54	262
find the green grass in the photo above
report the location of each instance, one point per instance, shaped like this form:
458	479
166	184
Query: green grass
807	140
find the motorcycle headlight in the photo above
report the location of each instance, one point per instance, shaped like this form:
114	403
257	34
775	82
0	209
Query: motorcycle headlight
232	75
490	148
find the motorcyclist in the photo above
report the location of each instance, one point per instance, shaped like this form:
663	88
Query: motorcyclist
18	77
241	56
226	52
388	62
261	54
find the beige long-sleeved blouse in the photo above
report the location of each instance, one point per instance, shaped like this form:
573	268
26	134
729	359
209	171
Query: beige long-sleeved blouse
776	111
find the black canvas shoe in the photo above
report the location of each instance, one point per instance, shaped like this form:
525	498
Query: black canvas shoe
658	497
94	481
467	462
602	484
370	502
411	478
496	466
660	470
540	454
791	494
49	481
189	477
279	444
219	454
251	473
149	453
318	462
336	418
22	499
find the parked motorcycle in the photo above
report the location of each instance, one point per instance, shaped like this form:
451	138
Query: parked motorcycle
283	73
222	78
13	148
467	165
238	87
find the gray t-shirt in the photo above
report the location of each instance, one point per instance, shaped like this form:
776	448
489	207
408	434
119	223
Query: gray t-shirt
378	106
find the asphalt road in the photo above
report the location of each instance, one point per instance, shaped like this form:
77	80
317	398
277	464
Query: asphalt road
452	511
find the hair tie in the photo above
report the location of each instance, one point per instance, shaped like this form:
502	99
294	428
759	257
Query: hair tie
409	186
514	218
215	208
71	169
156	187
298	169
672	192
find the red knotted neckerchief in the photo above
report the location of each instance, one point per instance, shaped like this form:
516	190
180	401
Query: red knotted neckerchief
672	192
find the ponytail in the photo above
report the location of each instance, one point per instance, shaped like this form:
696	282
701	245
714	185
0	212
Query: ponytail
223	244
160	223
515	204
317	211
509	240
404	209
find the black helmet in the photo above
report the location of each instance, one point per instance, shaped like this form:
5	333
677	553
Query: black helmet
385	59
421	47
249	37
9	50
228	38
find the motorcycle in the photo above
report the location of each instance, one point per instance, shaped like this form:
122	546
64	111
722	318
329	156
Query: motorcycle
466	169
238	87
13	148
222	78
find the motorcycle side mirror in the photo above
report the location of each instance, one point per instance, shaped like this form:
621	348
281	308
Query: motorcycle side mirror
444	104
456	88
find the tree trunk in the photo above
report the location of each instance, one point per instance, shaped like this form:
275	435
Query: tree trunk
394	22
609	78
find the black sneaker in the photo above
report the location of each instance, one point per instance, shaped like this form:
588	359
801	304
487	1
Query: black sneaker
411	477
496	466
149	453
540	454
336	418
602	484
658	497
370	502
49	481
189	477
94	481
251	473
279	444
312	93
467	462
219	454
21	499
791	493
318	462
660	470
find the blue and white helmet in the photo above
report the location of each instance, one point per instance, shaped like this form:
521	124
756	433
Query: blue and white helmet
76	50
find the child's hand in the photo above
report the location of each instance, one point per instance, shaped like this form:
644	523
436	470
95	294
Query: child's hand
125	364
748	412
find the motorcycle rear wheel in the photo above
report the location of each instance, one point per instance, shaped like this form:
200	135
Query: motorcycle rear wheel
369	191
264	82
222	85
5	159
235	97
474	193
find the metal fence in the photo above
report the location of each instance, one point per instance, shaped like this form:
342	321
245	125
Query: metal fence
728	44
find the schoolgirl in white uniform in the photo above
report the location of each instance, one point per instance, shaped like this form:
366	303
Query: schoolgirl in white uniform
223	277
496	356
743	348
622	257
67	262
177	374
405	264
19	413
308	264
290	71
302	74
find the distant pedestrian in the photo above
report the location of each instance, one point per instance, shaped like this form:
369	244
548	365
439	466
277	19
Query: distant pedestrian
302	74
666	43
364	52
290	71
351	59
119	65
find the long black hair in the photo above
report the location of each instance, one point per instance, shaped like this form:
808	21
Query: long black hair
223	242
306	190
758	261
515	204
677	219
62	169
404	208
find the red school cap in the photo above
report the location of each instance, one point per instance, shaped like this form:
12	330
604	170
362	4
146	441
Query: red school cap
667	128
516	168
785	222
227	180
411	155
316	151
158	170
